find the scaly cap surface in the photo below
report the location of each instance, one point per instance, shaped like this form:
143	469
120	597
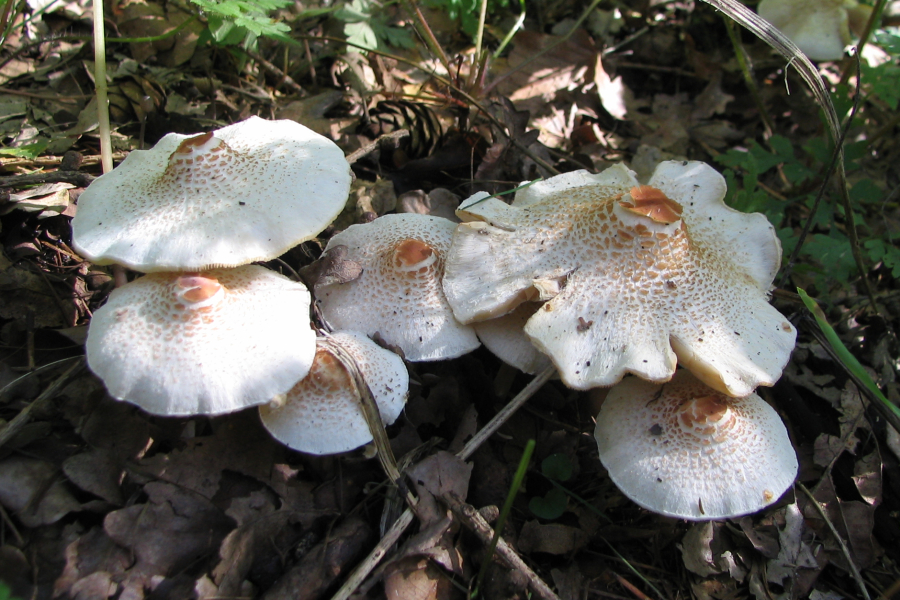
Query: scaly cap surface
633	277
210	343
684	450
322	413
243	193
399	294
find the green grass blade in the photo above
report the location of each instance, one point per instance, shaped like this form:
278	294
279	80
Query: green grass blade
504	513
850	362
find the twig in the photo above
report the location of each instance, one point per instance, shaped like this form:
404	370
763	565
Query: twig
13	427
503	416
362	570
76	178
271	69
370	148
472	519
631	588
846	551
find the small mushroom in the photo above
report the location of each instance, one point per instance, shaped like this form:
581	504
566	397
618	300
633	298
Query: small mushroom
685	450
820	28
505	338
202	343
243	193
632	277
322	413
398	294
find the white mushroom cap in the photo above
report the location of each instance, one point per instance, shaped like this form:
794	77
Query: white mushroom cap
322	413
505	338
399	294
685	450
819	27
633	277
210	343
246	192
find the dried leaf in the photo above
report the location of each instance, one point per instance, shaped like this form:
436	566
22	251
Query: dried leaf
35	491
552	538
867	477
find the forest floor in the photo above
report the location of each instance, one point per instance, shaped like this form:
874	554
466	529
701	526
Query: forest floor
101	500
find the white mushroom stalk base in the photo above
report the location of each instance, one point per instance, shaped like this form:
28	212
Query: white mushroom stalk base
684	450
322	413
202	343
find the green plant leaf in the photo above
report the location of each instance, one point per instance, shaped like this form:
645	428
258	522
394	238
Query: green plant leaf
881	251
884	81
551	506
28	151
558	467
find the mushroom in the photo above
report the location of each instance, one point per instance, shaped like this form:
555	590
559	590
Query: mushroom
398	294
322	413
685	450
505	338
820	28
202	343
633	276
246	192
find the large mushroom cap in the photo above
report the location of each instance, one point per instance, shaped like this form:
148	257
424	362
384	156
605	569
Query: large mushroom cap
685	450
188	344
633	276
246	192
399	294
322	413
819	27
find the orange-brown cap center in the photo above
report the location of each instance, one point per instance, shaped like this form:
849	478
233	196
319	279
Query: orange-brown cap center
651	202
190	144
197	288
703	410
410	253
328	373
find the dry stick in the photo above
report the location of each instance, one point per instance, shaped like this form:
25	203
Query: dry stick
631	588
13	427
369	408
472	519
100	87
853	570
363	569
271	69
370	148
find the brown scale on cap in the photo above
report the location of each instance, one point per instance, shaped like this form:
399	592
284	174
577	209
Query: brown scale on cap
651	202
328	375
707	415
414	255
196	288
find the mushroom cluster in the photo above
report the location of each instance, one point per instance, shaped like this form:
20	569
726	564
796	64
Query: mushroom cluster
638	279
206	332
597	275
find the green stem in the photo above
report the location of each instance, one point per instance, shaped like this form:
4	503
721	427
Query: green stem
850	363
504	514
100	86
